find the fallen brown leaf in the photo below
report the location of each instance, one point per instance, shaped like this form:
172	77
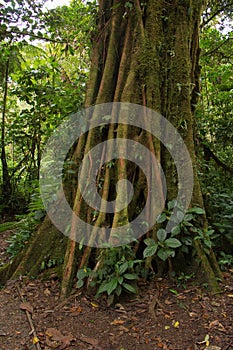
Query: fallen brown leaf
47	292
27	307
217	324
123	328
3	334
91	341
76	311
56	339
116	322
160	345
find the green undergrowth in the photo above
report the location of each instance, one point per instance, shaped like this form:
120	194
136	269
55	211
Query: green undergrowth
5	226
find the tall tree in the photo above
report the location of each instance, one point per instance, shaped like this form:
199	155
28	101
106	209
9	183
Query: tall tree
41	84
145	53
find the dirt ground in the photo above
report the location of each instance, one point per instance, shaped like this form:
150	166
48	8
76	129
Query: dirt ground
163	316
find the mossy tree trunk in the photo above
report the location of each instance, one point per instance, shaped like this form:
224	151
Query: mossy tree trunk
144	53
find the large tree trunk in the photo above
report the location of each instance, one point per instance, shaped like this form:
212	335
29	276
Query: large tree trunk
144	53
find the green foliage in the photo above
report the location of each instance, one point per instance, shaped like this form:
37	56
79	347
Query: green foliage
36	207
46	81
165	247
26	225
4	226
21	237
82	274
50	263
214	120
220	212
117	272
18	12
206	237
225	261
183	278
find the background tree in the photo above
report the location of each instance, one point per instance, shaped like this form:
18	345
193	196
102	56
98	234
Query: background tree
214	125
40	89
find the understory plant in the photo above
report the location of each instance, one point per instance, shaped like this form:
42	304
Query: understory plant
116	271
181	236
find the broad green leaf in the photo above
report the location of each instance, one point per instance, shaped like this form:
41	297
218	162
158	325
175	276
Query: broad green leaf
161	235
80	283
173	243
171	204
196	210
163	254
187	223
118	290
149	241
161	218
129	287
188	217
208	243
150	250
103	288
120	279
123	267
130	276
82	273
175	231
111	286
210	232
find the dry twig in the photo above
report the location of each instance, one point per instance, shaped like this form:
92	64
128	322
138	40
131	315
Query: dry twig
33	332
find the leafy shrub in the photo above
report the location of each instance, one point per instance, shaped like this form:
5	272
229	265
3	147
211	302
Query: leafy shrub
225	261
19	239
165	246
220	210
117	272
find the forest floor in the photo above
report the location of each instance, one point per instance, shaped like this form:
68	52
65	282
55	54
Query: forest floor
162	316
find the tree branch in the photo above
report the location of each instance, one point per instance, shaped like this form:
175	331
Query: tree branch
23	33
210	52
209	154
216	13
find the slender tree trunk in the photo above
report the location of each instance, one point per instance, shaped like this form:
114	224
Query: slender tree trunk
6	184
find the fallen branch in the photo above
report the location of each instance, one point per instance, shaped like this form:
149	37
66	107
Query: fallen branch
33	332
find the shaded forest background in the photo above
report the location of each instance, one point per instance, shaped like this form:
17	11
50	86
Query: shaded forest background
44	69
